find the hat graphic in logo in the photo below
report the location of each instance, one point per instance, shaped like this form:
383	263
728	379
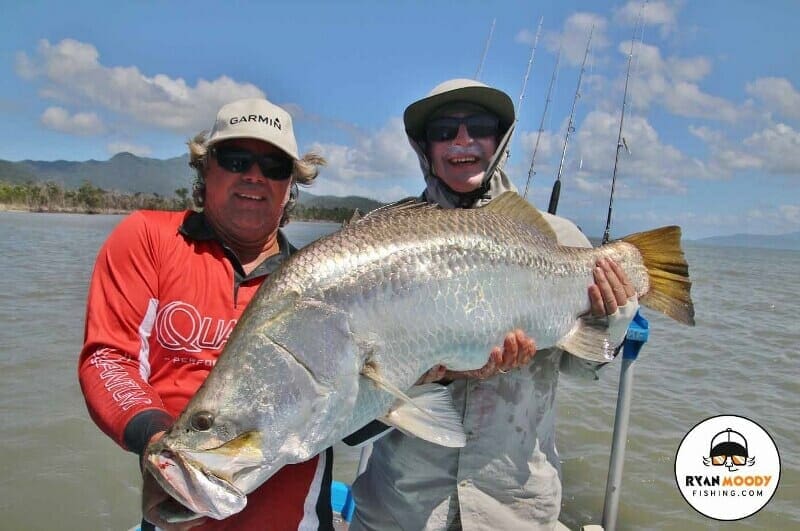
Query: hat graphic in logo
729	449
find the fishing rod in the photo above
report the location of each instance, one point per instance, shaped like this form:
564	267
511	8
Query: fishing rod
525	79
554	195
485	51
636	336
528	71
541	124
620	140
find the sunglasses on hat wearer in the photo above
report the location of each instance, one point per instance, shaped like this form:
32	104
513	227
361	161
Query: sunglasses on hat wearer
446	128
238	160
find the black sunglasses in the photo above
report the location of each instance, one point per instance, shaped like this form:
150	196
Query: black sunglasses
237	160
446	128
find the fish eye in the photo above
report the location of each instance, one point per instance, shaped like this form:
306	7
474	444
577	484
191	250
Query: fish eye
202	421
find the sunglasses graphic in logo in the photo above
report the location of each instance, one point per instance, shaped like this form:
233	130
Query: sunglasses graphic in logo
729	449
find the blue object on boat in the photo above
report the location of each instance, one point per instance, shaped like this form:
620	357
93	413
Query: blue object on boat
638	333
342	500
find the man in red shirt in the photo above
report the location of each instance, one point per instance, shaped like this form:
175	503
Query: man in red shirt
167	290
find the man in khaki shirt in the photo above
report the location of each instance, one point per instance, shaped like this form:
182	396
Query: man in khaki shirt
508	475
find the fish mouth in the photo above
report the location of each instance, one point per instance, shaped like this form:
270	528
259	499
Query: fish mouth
203	481
194	487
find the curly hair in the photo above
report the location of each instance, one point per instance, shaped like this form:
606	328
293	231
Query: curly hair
304	171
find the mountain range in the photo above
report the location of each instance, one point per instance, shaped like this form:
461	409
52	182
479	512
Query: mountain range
789	241
124	172
129	173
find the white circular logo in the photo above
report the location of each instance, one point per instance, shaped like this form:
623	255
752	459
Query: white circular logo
727	467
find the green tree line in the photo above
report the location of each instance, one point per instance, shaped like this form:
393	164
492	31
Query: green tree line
338	214
88	198
52	197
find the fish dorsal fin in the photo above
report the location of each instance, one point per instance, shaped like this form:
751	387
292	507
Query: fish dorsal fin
425	412
355	217
512	205
411	203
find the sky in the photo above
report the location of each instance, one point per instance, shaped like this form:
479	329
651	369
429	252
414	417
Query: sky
712	120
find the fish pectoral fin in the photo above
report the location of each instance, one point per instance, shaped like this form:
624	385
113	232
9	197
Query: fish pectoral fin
428	412
372	371
589	339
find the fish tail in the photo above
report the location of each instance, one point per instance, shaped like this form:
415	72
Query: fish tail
668	271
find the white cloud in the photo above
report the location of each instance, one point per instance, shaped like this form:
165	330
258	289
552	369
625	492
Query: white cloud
790	214
733	160
777	94
672	82
72	72
120	147
695	224
526	36
82	123
24	66
594	187
778	147
774	149
549	144
775	220
647	56
572	39
706	134
657	13
686	99
692	69
381	165
650	164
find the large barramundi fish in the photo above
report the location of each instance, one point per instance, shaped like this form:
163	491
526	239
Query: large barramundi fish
338	336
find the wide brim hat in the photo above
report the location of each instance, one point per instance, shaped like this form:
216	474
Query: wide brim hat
255	118
496	101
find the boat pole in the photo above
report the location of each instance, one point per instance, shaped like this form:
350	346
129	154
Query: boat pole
637	336
556	193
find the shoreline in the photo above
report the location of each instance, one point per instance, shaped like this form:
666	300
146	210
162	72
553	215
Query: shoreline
4	207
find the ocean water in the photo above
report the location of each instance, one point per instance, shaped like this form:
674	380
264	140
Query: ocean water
61	472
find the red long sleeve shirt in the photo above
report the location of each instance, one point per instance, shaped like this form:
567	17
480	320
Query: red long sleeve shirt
165	295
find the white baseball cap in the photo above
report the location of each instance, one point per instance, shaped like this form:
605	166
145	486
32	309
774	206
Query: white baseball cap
255	118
